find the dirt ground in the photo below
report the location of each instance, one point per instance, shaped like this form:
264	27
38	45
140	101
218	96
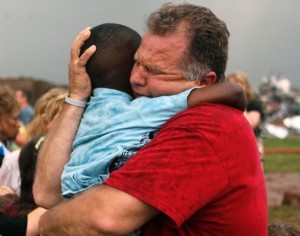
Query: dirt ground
279	183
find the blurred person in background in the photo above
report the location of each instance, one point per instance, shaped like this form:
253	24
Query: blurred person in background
27	163
46	109
25	116
254	112
26	110
19	216
23	214
21	138
9	123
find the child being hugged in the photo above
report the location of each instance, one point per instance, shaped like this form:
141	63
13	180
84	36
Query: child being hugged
115	125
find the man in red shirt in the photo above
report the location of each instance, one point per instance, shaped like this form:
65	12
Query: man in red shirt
202	172
200	175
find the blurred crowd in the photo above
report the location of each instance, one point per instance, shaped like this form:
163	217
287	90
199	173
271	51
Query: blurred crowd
22	128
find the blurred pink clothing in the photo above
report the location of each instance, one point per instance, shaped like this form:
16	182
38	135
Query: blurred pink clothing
10	173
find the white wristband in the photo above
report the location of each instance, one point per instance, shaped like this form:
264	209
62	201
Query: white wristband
75	103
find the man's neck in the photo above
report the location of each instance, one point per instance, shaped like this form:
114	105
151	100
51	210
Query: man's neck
23	105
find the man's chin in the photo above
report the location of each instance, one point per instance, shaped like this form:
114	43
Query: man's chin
137	95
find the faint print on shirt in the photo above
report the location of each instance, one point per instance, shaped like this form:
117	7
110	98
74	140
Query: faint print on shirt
128	153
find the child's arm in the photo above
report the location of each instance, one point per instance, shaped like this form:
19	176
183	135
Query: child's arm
227	93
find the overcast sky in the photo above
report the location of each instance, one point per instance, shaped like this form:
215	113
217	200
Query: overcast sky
36	35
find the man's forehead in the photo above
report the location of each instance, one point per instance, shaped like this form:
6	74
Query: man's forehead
170	45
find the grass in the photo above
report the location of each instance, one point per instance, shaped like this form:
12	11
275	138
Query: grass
290	142
283	163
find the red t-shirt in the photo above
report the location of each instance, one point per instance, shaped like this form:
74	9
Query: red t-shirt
203	172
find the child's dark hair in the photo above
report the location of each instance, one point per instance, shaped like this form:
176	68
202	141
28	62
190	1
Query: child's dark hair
111	64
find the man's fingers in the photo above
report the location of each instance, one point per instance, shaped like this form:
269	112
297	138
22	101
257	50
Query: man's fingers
78	42
86	55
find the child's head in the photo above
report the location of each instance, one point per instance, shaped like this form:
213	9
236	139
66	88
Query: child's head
111	64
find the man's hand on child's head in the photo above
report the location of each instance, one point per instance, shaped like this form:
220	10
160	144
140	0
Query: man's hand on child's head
79	81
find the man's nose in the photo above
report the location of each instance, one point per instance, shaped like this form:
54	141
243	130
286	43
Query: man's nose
137	78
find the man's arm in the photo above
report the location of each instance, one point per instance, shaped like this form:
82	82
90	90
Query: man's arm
54	154
106	211
57	146
227	93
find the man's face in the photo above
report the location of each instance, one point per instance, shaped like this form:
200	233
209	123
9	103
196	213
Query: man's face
9	126
156	70
19	97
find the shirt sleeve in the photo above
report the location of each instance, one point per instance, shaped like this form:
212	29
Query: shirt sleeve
9	172
156	111
178	173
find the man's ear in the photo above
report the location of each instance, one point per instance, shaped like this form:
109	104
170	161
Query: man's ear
210	78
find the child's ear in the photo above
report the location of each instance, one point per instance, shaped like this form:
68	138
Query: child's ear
210	78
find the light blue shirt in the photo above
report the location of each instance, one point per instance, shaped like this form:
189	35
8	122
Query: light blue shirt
26	115
114	126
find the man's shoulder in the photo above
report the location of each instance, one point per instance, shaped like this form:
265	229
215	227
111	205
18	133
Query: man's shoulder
27	110
208	111
207	115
